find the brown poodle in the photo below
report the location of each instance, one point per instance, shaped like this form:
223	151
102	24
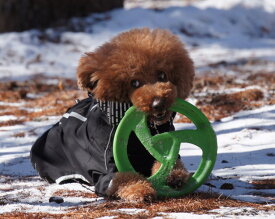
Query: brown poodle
148	69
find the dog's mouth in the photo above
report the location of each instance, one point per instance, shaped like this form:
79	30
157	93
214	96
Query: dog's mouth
160	118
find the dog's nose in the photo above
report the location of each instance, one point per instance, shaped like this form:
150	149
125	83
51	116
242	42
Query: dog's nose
158	104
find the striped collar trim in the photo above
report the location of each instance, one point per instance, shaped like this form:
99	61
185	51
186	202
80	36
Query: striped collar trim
114	110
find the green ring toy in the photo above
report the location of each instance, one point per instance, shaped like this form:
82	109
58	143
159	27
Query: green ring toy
165	147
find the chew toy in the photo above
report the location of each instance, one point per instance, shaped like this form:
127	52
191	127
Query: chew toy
165	147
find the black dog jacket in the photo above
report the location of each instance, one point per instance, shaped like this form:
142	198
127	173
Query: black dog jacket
80	148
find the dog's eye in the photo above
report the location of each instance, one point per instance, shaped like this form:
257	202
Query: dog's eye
135	83
162	76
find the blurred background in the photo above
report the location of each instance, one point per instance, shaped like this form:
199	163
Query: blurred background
232	44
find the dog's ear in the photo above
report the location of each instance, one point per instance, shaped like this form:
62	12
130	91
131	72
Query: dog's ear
86	71
181	71
184	77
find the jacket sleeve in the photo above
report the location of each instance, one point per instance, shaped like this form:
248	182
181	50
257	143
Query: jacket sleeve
102	165
103	183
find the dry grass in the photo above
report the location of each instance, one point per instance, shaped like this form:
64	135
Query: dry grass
264	184
214	101
40	99
73	193
223	105
199	203
37	98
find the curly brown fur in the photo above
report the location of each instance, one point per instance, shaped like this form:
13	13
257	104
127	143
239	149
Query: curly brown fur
177	177
131	187
137	54
143	98
149	68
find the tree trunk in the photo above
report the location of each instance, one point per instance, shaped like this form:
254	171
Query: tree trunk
19	15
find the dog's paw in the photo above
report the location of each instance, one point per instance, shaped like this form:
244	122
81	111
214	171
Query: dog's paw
140	191
178	178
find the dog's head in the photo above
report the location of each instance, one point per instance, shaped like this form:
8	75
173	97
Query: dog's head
148	68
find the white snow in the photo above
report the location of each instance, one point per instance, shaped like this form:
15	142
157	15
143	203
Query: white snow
130	210
246	149
213	31
240	212
6	118
227	30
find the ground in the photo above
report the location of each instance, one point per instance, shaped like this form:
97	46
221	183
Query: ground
234	87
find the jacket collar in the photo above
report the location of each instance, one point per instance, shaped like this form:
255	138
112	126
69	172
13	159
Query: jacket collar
116	110
113	110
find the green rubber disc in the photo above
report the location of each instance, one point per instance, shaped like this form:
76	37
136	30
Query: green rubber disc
165	147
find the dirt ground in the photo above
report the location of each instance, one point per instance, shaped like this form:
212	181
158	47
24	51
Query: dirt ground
218	95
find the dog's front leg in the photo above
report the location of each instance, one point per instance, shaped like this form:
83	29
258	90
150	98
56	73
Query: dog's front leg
177	177
131	187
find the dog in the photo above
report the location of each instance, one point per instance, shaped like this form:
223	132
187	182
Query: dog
148	69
